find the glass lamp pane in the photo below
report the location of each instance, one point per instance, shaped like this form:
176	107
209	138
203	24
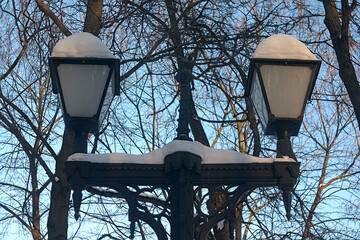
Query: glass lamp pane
82	87
108	98
258	101
286	87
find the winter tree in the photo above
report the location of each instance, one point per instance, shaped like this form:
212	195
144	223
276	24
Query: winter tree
153	40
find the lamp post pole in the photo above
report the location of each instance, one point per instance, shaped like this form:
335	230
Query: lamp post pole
81	128
181	168
184	77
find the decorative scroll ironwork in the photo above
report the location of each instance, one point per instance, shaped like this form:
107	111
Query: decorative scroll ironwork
182	178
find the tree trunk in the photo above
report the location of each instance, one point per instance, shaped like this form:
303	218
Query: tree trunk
93	17
60	193
338	26
35	200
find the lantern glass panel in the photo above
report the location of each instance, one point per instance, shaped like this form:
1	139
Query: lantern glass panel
286	88
109	96
83	87
258	100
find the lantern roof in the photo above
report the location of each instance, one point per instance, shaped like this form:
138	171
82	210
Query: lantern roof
282	46
81	45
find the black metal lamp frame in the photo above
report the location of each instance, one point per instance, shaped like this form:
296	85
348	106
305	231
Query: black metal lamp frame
183	176
82	126
274	123
283	128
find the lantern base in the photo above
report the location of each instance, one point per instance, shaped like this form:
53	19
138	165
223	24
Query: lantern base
284	130
81	127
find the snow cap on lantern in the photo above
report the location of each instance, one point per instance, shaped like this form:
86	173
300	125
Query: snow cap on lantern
282	46
81	45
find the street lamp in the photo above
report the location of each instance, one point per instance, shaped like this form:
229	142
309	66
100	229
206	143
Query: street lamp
85	74
183	168
281	79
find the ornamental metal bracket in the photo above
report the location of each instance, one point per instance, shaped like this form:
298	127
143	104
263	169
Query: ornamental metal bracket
287	175
77	179
183	176
186	160
182	167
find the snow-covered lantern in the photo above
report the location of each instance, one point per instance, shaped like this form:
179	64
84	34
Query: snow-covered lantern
86	76
281	79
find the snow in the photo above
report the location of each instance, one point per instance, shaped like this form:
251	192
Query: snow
282	46
103	190
142	194
220	225
207	154
81	45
